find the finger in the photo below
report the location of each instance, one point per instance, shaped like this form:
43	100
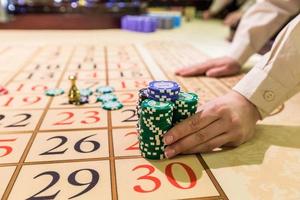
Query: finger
212	130
220	71
196	69
190	125
210	145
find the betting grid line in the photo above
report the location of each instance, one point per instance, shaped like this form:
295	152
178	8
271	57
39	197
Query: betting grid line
112	163
111	157
34	134
207	169
14	176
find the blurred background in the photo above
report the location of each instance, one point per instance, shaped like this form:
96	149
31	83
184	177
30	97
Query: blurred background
86	14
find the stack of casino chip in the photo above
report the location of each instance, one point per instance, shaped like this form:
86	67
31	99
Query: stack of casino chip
142	96
144	24
107	98
155	120
163	91
185	106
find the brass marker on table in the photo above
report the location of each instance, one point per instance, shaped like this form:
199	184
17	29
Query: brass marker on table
74	93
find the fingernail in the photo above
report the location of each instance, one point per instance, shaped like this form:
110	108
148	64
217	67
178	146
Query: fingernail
168	139
170	153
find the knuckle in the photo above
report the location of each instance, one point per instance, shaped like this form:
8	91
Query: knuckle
209	146
236	121
200	137
194	121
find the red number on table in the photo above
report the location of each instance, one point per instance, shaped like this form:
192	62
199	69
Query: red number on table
7	149
169	175
135	145
27	100
65	121
155	180
92	116
127	98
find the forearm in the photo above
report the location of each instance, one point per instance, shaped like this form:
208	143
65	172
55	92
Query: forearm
218	5
259	24
277	77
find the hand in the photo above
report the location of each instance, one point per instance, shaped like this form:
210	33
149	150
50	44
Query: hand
207	15
227	121
223	66
233	18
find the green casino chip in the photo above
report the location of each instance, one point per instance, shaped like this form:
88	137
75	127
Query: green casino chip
151	106
54	92
105	89
106	97
112	105
86	92
185	106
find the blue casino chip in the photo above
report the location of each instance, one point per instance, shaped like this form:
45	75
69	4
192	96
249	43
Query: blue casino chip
164	86
163	90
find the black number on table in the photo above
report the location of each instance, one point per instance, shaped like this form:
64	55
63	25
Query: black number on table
55	177
63	140
132	117
77	146
71	180
19	123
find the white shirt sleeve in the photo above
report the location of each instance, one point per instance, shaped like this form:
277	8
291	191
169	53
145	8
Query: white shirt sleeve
259	24
277	77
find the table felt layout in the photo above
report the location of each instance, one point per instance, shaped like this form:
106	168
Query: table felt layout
50	149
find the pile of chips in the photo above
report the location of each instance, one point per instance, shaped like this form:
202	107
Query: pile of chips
144	24
159	108
167	21
150	23
107	98
155	120
104	95
3	91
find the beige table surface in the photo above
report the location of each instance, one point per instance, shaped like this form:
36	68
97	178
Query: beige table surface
267	167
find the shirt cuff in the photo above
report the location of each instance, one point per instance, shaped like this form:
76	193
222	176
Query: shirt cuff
261	90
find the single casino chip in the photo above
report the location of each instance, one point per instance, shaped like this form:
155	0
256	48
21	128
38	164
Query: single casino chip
86	92
106	97
105	89
3	91
54	92
112	105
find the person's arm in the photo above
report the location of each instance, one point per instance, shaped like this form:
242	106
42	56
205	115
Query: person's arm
276	78
215	8
259	24
230	120
218	5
